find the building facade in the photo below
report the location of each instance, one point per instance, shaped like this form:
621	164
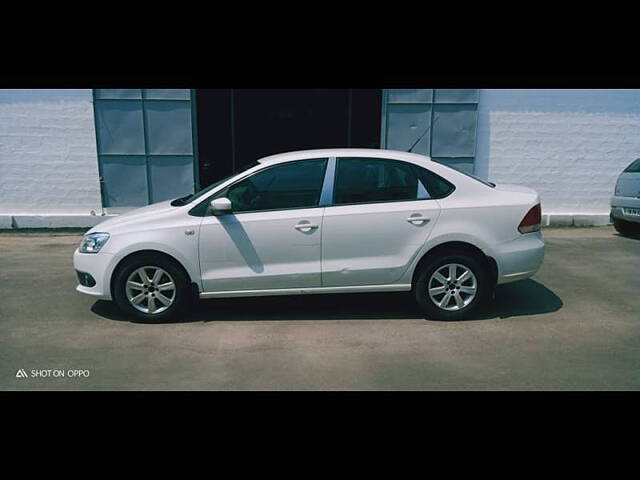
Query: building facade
70	157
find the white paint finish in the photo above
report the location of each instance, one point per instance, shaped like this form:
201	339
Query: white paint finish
569	145
48	159
261	250
262	253
373	243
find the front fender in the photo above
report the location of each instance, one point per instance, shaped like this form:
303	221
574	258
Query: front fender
188	259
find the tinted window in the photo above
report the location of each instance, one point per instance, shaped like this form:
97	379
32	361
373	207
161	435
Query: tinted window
436	186
634	167
291	185
363	180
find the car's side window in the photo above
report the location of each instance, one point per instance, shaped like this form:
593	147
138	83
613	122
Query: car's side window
294	184
435	185
369	180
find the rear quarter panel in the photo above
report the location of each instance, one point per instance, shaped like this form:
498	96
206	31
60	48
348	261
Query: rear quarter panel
483	216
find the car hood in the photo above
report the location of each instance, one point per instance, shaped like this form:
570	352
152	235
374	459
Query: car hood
133	216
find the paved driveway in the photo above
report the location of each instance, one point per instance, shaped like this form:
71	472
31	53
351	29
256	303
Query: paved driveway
575	325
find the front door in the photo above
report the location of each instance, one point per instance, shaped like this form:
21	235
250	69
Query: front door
380	218
272	238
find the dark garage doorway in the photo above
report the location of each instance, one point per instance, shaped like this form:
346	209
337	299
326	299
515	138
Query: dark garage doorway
237	127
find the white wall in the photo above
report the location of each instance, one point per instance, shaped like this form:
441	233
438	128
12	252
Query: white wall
48	160
569	145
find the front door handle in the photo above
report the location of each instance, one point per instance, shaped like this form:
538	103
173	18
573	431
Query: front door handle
305	226
418	219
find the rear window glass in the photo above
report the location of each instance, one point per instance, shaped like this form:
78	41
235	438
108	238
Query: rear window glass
437	186
634	167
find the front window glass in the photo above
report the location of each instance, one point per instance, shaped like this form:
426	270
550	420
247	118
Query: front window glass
290	185
190	198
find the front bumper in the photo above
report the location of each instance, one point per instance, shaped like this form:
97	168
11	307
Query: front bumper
519	258
97	266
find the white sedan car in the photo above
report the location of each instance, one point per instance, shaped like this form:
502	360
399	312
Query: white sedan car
320	221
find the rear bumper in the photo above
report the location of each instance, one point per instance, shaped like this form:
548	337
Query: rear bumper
96	265
519	258
618	204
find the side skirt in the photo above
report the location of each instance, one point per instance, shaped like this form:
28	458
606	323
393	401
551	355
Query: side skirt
307	291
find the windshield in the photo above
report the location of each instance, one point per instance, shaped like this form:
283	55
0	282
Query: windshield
190	198
634	167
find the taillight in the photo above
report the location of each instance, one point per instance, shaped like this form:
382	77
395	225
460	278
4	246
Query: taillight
531	221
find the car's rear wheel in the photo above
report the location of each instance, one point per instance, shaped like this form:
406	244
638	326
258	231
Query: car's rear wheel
451	286
626	228
151	288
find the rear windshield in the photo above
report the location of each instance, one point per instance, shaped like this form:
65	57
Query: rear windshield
471	175
634	167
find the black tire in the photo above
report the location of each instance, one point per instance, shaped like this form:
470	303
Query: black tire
626	228
424	275
182	293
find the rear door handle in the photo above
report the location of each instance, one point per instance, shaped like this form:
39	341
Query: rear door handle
417	219
305	226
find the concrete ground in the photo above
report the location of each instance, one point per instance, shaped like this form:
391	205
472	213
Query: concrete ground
575	325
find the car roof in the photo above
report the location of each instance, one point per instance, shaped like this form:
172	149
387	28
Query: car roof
345	152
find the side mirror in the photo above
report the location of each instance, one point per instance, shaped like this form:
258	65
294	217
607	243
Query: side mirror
221	206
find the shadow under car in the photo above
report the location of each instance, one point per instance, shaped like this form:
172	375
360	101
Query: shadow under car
526	297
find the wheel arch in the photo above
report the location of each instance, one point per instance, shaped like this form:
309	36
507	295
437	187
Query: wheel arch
457	246
123	261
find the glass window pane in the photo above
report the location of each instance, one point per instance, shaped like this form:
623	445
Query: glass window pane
170	177
444	95
436	186
119	126
168	127
291	185
125	181
364	180
116	94
634	167
408	124
465	165
454	131
173	94
419	96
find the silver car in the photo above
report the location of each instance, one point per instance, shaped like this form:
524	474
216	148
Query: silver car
625	204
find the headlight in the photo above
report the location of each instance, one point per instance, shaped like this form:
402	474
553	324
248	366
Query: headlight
93	242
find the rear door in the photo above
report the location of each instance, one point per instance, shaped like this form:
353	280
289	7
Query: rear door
380	216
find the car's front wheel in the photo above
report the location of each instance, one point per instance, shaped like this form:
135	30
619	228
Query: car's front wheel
451	286
151	288
626	228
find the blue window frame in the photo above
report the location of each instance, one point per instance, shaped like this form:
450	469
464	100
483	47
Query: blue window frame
147	149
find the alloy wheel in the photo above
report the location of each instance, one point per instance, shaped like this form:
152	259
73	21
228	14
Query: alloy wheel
150	290
452	286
